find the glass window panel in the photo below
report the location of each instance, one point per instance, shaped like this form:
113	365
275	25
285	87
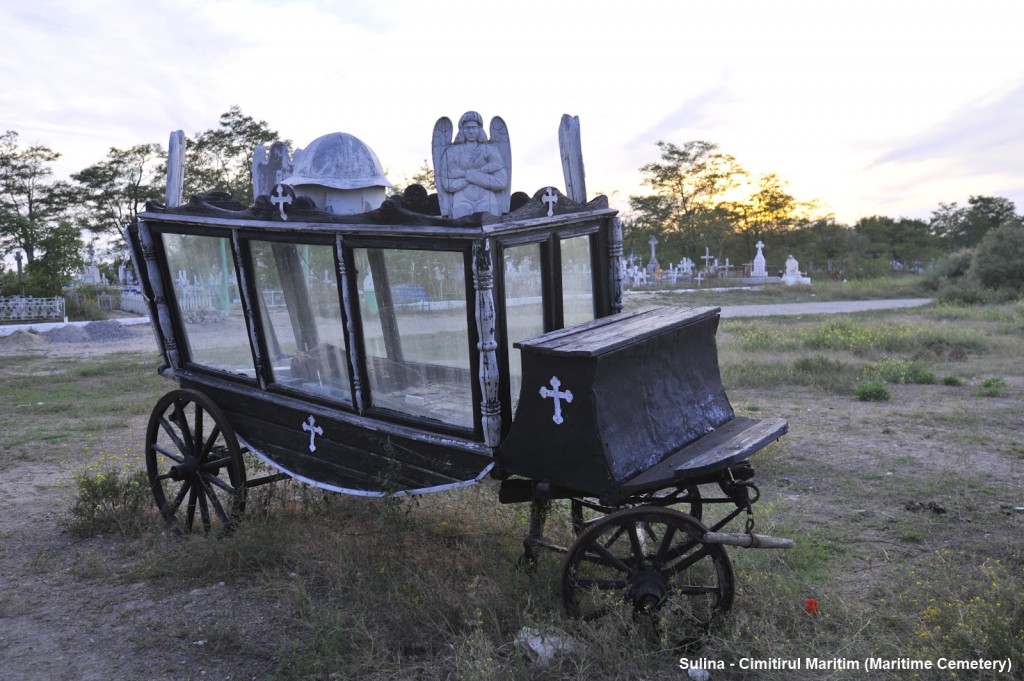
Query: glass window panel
203	278
417	350
577	281
301	317
524	306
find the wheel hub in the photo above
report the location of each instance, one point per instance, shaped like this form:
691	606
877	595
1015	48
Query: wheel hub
186	469
646	590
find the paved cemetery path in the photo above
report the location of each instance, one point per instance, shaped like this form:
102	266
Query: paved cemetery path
837	306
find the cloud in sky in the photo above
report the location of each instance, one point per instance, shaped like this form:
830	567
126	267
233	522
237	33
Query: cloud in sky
980	136
872	107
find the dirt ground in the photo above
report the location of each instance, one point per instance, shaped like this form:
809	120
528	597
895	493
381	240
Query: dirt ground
66	613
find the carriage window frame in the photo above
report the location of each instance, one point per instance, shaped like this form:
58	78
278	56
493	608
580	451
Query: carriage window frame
263	350
355	276
180	328
550	240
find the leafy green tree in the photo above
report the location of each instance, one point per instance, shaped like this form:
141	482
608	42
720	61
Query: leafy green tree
114	191
9	284
221	159
965	227
946	221
877	232
998	261
687	207
61	258
770	212
827	242
30	203
903	239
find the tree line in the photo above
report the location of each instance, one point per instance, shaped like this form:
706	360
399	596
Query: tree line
703	200
49	221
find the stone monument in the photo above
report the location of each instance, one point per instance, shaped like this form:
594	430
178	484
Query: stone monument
793	275
759	270
473	174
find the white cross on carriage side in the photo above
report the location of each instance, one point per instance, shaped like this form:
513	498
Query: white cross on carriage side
313	430
558	395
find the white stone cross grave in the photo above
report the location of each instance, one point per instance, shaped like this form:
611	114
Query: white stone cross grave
707	258
760	267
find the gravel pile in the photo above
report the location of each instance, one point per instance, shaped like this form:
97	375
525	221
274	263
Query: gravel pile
108	330
103	332
67	334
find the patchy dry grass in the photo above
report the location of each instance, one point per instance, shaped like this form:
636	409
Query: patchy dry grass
53	407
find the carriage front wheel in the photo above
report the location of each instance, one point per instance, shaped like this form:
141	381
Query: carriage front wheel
194	463
650	560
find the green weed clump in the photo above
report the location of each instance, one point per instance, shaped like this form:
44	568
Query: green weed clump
872	391
113	496
901	371
952	381
991	387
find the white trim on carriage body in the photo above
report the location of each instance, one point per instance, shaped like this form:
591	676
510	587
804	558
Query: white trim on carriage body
361	492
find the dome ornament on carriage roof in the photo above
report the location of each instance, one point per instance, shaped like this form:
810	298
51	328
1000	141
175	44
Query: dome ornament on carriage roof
338	172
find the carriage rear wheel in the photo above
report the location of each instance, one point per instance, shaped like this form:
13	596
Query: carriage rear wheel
194	463
650	560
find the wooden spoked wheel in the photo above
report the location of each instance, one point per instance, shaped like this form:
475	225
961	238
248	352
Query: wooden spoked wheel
194	464
650	560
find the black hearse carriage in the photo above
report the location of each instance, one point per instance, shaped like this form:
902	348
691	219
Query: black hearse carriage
394	351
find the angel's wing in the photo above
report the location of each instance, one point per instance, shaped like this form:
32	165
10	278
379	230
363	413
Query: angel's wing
259	160
499	138
441	141
269	168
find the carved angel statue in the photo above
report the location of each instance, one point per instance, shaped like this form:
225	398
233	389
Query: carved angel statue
473	174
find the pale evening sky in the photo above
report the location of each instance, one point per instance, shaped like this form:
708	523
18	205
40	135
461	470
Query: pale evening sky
870	107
